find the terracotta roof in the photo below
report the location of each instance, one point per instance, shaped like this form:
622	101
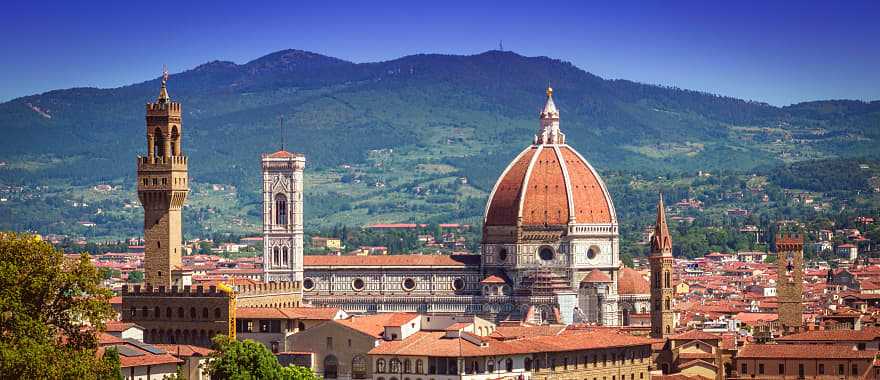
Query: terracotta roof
866	335
516	332
546	200
537	190
373	325
596	275
184	350
801	351
695	335
430	343
392	260
503	206
632	282
117	326
284	154
493	279
107	339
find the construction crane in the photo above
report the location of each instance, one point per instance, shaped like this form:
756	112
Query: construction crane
230	291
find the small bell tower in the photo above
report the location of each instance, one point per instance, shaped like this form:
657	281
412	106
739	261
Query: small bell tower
662	293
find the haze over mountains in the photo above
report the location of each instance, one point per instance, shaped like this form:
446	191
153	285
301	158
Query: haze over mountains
336	111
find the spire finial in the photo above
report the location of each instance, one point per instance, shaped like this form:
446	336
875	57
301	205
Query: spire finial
163	93
549	90
282	130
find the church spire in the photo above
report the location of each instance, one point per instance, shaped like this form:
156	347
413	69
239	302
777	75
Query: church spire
549	132
661	241
163	93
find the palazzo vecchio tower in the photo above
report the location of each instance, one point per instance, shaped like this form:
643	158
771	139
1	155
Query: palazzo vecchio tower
162	189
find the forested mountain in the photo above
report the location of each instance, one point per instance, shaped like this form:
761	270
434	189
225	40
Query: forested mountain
468	114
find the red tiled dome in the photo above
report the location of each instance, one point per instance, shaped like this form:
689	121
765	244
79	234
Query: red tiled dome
630	281
537	186
596	275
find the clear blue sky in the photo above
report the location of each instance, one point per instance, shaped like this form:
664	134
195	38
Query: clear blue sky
773	51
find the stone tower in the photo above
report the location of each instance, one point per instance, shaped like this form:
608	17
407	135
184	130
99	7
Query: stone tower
790	281
661	276
162	189
283	216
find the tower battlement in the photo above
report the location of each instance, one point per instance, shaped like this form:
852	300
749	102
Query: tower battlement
161	109
171	291
789	242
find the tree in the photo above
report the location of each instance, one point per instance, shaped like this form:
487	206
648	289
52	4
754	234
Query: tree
136	277
233	359
47	302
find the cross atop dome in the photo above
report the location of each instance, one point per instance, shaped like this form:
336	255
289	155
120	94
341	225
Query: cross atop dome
549	132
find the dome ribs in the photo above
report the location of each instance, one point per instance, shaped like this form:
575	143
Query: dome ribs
546	200
591	205
504	204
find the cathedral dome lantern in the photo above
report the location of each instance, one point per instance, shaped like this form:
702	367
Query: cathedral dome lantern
549	183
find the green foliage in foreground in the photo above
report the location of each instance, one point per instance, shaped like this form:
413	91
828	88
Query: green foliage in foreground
45	300
245	360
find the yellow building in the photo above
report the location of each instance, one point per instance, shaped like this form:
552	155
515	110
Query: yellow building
333	244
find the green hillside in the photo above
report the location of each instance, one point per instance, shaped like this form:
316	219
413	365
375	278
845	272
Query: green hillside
421	138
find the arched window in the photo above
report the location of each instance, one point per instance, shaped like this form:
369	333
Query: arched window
217	312
527	363
281	209
359	367
159	143
420	366
168	312
331	365
276	256
145	312
407	366
157	313
508	365
284	258
490	366
301	326
179	312
380	366
175	141
192	313
668	281
394	365
204	313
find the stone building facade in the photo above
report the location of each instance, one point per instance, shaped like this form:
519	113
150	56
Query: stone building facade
283	216
549	253
422	349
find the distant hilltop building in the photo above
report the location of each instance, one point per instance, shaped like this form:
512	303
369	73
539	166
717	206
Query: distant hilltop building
550	252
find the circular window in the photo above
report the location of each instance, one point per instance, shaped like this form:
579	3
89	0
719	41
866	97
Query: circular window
457	284
546	253
308	284
502	254
591	253
357	284
409	284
